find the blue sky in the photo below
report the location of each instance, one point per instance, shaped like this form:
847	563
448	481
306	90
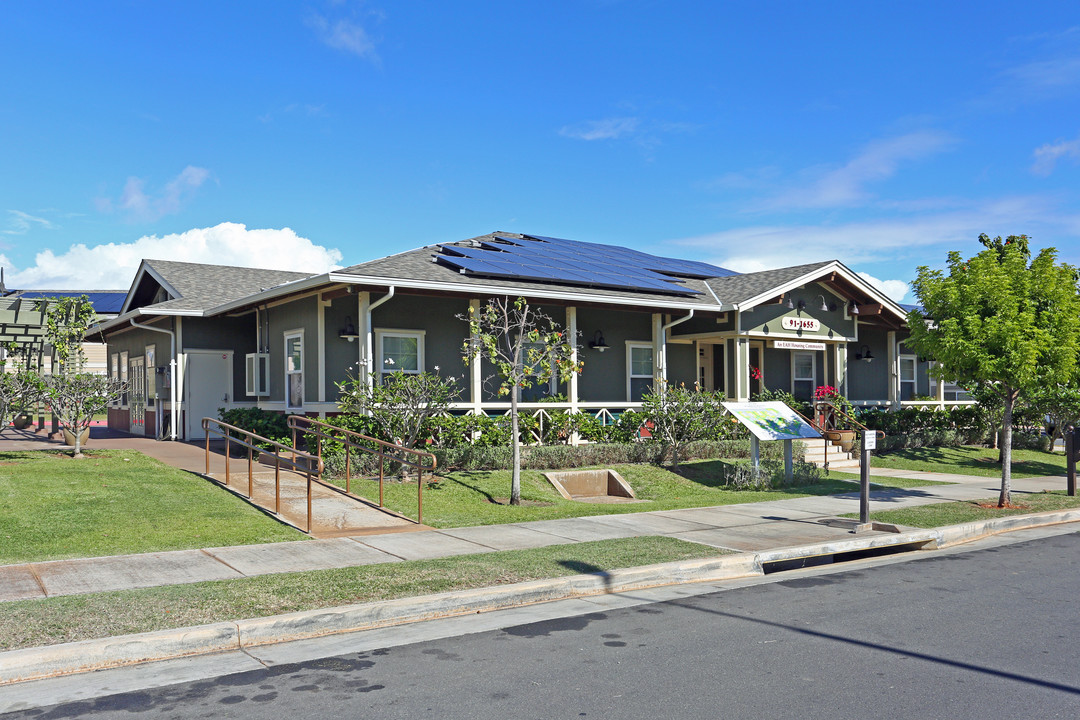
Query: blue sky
303	135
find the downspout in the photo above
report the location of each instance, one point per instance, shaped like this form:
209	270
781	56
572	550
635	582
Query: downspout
663	343
173	410
369	349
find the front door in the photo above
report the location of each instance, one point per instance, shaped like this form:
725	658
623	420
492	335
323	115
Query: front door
208	386
757	370
137	395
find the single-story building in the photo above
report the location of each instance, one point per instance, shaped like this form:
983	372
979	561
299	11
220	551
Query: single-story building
196	338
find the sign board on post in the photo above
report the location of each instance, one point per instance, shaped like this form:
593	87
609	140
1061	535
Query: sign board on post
771	421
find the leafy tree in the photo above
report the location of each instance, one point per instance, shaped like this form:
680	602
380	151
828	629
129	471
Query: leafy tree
18	391
526	347
676	415
75	396
1002	321
402	405
1060	403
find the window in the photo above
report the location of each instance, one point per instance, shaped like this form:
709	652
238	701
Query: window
114	375
907	377
150	381
124	377
539	390
294	370
639	370
400	351
256	374
803	375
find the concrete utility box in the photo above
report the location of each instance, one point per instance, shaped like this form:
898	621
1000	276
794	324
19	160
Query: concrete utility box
591	485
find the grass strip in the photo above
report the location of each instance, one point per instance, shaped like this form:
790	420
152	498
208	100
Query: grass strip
467	498
972	460
115	502
954	513
32	623
880	482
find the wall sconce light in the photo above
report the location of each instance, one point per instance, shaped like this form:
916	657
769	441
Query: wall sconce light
864	354
801	304
349	331
826	307
790	303
854	308
597	342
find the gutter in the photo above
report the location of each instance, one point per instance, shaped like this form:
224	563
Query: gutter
369	333
174	411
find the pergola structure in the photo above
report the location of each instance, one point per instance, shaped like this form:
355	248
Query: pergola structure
23	329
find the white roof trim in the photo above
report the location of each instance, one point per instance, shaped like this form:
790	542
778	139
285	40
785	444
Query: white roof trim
144	270
833	267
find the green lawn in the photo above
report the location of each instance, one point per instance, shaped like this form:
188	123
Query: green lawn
31	623
954	513
116	502
972	460
466	498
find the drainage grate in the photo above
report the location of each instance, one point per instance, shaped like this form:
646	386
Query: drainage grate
798	563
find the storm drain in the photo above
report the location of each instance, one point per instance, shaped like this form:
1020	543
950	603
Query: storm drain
797	563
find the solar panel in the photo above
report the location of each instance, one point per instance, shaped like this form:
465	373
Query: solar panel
547	259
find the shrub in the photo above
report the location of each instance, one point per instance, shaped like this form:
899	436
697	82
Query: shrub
267	423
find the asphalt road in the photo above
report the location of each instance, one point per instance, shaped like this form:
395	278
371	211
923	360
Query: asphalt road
984	634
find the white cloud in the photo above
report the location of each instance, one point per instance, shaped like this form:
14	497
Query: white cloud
895	289
923	239
345	35
846	186
20	223
113	266
140	205
1046	156
607	129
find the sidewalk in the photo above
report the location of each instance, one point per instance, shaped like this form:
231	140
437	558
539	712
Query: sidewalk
748	528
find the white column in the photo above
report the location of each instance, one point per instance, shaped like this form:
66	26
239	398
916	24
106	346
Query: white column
894	370
367	341
572	335
476	375
659	353
320	355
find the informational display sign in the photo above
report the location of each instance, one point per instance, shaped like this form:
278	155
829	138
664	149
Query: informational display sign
869	440
771	420
797	345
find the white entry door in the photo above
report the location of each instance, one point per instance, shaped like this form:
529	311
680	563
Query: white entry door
137	396
208	378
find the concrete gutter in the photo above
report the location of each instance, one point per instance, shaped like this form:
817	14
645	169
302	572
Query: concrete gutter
69	658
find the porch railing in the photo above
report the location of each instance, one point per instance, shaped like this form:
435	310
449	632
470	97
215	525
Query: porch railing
382	452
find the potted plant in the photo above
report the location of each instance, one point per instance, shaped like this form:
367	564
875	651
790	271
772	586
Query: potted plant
836	411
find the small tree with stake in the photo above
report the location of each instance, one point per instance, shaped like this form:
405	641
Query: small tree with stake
526	347
76	396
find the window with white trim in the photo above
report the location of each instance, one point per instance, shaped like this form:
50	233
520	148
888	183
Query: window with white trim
803	375
399	351
114	375
124	378
639	370
294	370
907	377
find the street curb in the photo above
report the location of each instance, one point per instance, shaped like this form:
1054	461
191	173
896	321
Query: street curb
70	658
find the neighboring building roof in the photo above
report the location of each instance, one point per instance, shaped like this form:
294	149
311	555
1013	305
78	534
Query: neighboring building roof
105	302
198	287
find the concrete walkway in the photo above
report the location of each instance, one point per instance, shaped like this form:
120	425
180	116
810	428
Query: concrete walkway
746	527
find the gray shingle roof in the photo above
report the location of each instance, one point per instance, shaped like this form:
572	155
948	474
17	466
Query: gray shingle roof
202	287
736	289
418	265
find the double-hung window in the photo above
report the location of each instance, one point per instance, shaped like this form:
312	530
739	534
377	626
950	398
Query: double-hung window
639	370
399	351
907	377
531	355
294	370
803	375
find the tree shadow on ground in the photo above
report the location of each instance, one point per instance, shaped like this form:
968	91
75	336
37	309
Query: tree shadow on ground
945	457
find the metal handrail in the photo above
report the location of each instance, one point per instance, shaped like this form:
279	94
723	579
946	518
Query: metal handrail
384	450
248	439
850	420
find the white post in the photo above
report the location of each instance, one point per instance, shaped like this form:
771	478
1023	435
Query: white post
572	386
476	375
659	353
363	317
894	371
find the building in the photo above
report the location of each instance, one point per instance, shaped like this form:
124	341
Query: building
193	339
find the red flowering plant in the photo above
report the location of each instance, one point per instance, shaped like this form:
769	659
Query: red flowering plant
829	394
755	372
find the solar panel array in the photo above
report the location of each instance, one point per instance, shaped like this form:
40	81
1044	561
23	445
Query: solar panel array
547	259
103	302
